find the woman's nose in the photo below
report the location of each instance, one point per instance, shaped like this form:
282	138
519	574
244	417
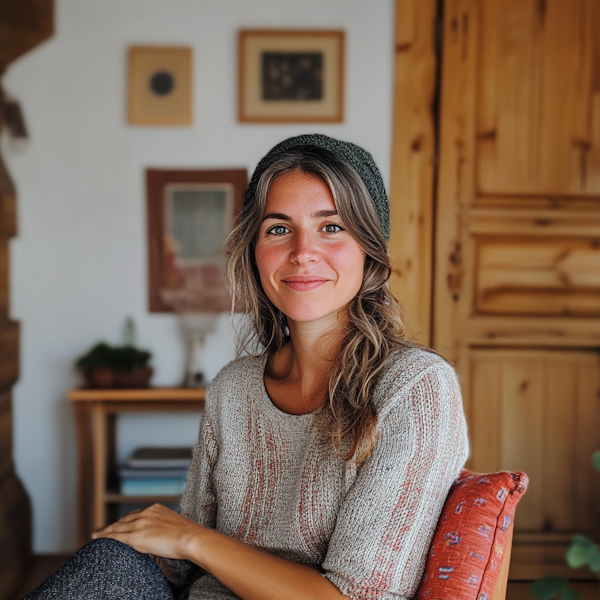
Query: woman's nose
305	249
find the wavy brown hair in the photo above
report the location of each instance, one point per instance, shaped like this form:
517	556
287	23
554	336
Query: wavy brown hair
373	325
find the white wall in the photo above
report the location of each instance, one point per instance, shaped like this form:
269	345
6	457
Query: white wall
79	263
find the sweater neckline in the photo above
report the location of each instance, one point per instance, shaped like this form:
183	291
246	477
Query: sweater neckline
269	406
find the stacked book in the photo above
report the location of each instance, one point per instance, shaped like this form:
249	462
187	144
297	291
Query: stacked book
155	472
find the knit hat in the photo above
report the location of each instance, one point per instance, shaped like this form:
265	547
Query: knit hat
347	152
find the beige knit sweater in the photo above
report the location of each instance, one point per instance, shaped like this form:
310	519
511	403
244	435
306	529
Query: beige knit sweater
270	478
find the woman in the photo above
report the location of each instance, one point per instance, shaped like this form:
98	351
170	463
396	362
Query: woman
323	462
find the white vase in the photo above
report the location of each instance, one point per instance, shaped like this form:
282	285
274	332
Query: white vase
195	327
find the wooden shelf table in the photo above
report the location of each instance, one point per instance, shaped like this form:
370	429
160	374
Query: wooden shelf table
95	418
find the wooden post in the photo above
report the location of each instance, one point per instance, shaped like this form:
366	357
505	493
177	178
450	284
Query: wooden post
24	24
413	164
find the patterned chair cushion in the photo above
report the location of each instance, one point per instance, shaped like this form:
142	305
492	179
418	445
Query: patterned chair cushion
469	543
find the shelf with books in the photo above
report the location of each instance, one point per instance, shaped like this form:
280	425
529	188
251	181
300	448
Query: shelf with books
155	471
100	479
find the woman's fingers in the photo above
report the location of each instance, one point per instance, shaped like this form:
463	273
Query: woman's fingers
122	525
155	530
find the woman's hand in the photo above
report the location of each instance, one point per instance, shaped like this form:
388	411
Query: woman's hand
156	530
248	572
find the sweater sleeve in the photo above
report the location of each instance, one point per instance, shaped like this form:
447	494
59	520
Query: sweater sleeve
199	501
387	518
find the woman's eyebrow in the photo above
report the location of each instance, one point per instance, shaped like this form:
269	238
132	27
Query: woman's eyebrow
317	215
278	216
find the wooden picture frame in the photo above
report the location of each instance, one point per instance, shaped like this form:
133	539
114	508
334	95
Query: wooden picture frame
160	85
291	76
190	213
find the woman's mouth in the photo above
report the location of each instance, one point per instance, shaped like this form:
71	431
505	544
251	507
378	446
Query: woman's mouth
304	283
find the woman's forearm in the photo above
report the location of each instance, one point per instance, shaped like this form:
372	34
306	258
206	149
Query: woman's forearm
248	572
253	574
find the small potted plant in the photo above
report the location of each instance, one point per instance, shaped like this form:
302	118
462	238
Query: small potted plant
126	366
131	366
97	366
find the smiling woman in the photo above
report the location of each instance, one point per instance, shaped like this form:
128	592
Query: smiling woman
310	266
325	456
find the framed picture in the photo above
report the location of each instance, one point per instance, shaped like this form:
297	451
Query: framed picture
160	85
190	213
294	76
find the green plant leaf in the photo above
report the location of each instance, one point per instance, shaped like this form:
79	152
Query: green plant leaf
593	559
596	459
583	540
570	594
577	555
548	587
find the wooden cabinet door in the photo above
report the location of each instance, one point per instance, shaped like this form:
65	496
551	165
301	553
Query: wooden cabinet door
517	268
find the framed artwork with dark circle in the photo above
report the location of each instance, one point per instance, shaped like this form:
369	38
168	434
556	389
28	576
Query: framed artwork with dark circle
190	214
293	76
160	85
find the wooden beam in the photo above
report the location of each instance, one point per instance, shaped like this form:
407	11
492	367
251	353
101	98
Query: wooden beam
23	25
413	164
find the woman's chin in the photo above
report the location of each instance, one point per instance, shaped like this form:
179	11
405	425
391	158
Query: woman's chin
310	315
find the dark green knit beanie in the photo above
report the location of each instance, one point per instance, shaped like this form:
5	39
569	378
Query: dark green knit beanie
352	154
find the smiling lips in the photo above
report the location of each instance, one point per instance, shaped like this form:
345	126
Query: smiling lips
304	283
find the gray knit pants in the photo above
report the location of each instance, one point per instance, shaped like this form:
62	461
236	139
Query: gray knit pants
105	570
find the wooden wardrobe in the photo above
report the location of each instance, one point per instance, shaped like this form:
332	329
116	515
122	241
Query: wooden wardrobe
23	25
495	240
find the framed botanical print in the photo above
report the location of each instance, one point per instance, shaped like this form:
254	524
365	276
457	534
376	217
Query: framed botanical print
291	76
190	214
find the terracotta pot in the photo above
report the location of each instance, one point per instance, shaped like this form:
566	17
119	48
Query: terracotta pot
140	378
100	378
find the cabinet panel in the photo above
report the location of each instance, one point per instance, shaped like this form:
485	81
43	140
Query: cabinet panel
517	264
587	440
522	384
538	411
545	277
535	95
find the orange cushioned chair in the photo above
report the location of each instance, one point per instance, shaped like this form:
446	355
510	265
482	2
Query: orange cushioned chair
470	552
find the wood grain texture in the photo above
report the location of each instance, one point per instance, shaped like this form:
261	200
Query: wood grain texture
535	83
9	354
15	533
6	437
8	211
539	415
517	290
566	332
538	277
165	394
4	280
500	587
455	179
413	152
24	25
560	426
522	437
485	418
587	440
95	417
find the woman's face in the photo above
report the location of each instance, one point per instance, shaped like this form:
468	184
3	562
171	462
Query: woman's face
309	265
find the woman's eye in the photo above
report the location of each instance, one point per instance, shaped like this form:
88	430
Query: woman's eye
278	230
332	228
